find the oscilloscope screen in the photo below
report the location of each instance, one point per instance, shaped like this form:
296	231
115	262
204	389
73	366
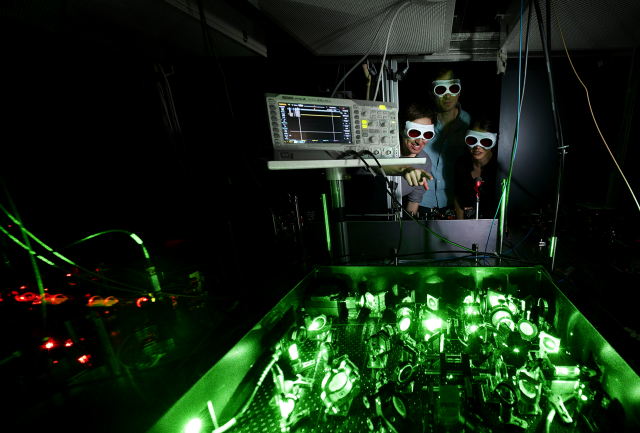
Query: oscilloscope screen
307	123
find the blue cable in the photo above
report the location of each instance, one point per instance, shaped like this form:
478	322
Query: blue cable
517	125
521	241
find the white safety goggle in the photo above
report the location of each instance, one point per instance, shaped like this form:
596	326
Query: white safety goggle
486	140
442	87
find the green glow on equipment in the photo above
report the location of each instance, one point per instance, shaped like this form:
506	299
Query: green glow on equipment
193	426
136	238
584	397
326	221
552	248
403	318
293	352
549	343
433	324
318	323
473	328
516	350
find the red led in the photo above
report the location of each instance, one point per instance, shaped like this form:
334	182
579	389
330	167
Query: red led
84	358
55	362
68	275
23	287
141	300
68	343
49	345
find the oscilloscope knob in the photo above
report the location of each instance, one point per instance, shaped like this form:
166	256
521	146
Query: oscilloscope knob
376	152
383	124
383	140
372	139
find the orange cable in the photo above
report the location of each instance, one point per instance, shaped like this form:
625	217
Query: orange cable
590	109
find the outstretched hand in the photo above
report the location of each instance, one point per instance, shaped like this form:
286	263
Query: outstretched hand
416	176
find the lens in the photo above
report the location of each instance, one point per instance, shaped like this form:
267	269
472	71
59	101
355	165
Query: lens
405	323
549	344
439	90
413	133
526	328
454	88
428	135
486	142
471	140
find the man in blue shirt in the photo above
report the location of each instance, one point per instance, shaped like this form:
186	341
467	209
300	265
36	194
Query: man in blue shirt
448	141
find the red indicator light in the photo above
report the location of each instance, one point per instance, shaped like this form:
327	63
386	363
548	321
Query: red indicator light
55	362
82	339
68	343
49	345
23	287
68	275
84	359
143	299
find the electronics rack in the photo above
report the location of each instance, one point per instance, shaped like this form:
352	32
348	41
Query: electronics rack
364	125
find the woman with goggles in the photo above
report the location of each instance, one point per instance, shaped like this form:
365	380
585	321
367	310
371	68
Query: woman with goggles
416	126
478	161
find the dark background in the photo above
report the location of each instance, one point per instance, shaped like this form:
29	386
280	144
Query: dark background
85	150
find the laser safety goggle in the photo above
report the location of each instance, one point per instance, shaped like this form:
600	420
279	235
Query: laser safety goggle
416	130
485	140
442	87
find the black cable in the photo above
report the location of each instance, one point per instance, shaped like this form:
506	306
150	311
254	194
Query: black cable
400	212
515	251
556	121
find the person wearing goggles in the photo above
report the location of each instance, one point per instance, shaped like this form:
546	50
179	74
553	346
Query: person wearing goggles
447	142
477	162
416	124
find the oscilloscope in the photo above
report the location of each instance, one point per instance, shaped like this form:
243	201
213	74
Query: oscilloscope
316	128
